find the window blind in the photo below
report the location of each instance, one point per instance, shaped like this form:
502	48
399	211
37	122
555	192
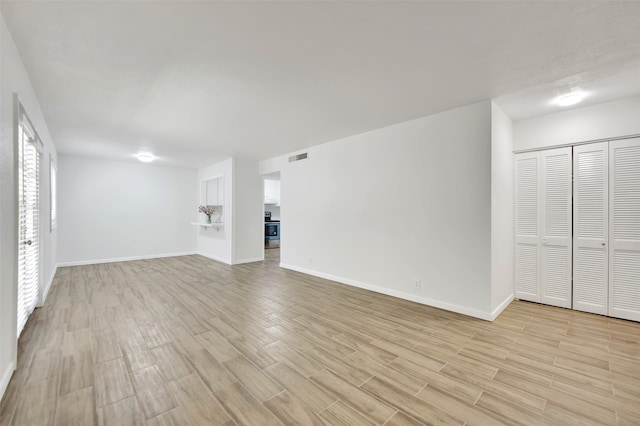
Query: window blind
28	250
54	194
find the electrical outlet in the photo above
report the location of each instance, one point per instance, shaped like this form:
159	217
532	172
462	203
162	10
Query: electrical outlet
417	284
310	261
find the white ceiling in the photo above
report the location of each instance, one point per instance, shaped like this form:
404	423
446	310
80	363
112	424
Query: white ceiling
195	82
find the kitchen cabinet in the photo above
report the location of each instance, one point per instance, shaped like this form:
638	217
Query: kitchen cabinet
272	192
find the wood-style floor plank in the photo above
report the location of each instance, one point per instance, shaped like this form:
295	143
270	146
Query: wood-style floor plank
112	382
199	405
309	393
190	341
340	414
261	386
76	408
290	411
243	407
151	391
77	372
170	362
124	412
370	407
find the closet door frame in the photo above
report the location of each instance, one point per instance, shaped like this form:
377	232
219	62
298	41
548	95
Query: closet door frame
609	241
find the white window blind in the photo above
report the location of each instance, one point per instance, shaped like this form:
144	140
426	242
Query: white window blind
53	178
28	250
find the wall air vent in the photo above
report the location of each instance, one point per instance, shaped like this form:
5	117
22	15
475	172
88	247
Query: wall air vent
298	157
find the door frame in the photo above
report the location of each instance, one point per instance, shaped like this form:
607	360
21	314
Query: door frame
263	177
609	242
20	115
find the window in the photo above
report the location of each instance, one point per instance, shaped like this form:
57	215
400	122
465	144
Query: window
53	171
29	153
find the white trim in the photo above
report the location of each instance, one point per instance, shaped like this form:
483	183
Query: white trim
253	259
212	257
501	307
6	378
218	176
45	291
399	294
572	144
124	259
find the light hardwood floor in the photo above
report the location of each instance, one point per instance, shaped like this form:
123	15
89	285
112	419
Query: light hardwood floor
187	340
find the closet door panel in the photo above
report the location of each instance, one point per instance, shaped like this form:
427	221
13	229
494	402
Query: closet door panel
624	229
555	249
527	268
590	228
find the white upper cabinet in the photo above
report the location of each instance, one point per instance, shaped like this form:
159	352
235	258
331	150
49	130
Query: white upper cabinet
272	192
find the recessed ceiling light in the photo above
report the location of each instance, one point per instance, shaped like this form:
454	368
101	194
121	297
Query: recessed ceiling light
145	157
570	98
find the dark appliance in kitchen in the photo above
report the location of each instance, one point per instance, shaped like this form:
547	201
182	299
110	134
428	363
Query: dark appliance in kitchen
271	231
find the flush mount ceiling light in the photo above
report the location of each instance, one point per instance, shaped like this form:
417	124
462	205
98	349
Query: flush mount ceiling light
570	98
145	157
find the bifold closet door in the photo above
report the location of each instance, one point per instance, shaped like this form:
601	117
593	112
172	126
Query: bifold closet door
624	229
555	218
591	228
527	174
543	226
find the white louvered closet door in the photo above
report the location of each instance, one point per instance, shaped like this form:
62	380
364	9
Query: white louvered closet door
527	268
555	221
29	222
591	228
624	229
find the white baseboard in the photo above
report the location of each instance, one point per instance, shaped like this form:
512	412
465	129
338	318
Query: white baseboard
45	292
501	307
488	316
212	257
124	259
241	261
6	377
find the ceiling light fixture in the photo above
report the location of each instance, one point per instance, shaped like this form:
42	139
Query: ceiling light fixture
145	157
570	98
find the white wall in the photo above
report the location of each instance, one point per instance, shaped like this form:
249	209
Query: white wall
248	224
502	278
274	165
602	121
380	209
14	80
211	242
113	210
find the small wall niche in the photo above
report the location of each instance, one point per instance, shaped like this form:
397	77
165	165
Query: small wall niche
212	195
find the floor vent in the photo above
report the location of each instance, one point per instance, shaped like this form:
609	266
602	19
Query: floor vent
298	157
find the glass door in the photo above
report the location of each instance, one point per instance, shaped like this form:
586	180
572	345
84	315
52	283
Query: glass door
29	151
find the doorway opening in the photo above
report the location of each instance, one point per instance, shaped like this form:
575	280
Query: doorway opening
272	221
